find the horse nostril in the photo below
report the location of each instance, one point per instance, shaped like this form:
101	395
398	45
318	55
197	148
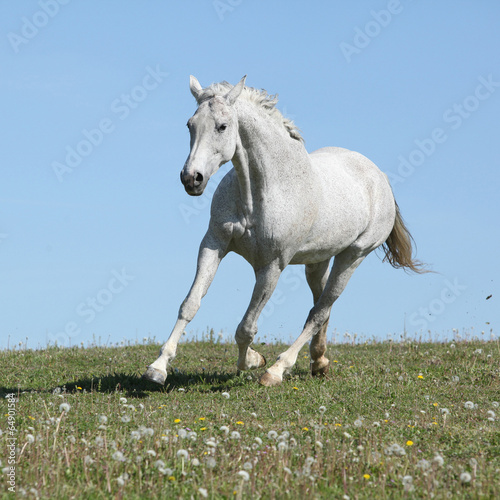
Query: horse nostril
198	179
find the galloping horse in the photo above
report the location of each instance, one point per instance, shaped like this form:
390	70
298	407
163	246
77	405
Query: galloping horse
280	205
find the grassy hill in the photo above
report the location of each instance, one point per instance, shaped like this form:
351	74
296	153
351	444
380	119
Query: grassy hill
392	420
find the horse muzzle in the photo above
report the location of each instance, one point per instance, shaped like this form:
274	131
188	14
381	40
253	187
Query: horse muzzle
194	183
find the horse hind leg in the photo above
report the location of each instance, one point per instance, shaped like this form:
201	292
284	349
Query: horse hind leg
344	265
317	276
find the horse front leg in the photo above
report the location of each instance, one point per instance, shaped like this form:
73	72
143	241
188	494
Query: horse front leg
266	280
211	253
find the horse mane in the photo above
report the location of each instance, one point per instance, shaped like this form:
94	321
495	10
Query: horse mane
258	97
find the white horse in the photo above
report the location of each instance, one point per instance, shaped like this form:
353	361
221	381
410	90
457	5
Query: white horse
280	205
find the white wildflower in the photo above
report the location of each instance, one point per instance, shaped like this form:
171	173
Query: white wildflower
272	434
210	462
103	419
123	401
439	460
225	395
151	453
64	407
322	409
258	440
195	462
282	446
248	466
125	419
203	492
135	435
158	463
224	428
182	433
244	475
465	477
469	405
118	456
358	423
88	460
30	438
183	454
235	435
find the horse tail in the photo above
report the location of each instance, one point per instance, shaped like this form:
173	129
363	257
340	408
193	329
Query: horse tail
398	247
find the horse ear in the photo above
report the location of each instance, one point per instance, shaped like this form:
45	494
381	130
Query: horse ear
195	87
234	93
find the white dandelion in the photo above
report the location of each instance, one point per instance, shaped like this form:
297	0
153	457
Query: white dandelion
225	395
118	456
64	407
183	454
244	475
235	435
469	405
103	419
272	434
465	477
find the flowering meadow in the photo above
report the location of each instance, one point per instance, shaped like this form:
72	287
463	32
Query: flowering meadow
391	420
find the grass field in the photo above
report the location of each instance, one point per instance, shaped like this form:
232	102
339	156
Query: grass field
392	420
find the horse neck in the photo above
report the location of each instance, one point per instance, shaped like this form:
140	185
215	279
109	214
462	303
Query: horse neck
264	155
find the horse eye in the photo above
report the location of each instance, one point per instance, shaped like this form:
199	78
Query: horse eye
222	127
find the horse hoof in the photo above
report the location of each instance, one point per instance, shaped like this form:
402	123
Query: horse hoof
269	380
263	361
320	368
155	375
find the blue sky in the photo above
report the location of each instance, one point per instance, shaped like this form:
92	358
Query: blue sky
98	239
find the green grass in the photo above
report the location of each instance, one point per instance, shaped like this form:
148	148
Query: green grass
372	429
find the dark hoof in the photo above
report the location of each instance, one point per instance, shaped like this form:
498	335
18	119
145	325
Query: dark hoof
155	375
320	368
263	361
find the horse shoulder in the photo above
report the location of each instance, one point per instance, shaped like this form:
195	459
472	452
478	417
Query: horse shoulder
226	218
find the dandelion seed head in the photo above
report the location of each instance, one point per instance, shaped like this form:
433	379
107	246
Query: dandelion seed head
235	435
183	454
29	438
225	395
465	478
103	419
272	434
244	475
64	407
203	492
118	456
469	405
